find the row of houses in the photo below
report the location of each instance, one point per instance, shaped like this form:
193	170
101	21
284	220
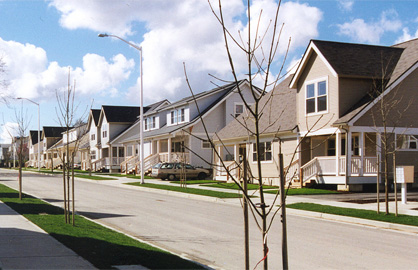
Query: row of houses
327	119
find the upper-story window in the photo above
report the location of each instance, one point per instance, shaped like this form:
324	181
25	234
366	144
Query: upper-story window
317	97
178	116
150	123
104	131
238	109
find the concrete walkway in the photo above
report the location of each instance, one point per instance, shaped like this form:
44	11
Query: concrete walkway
26	246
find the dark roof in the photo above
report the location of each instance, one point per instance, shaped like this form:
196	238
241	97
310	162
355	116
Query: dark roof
55	132
121	114
34	136
278	114
359	60
407	59
96	115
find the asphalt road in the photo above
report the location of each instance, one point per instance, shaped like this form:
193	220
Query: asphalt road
212	232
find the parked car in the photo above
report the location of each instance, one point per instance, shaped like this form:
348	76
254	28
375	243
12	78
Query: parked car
173	170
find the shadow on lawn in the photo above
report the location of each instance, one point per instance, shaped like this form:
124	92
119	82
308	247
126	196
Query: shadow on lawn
105	255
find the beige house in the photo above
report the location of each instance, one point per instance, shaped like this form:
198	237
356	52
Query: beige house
331	104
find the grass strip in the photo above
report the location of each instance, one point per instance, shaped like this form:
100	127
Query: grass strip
196	191
102	247
195	182
234	186
358	213
139	177
94	177
305	191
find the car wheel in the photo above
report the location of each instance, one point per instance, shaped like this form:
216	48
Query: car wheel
201	176
171	177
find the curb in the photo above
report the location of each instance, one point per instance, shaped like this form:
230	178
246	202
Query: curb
354	220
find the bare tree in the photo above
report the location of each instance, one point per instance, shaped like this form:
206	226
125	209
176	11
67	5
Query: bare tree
21	141
67	112
387	113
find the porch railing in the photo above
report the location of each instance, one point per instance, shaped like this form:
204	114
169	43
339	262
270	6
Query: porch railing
175	157
369	165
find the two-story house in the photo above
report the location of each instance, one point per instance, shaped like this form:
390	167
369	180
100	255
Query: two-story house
50	136
176	131
112	121
34	148
339	89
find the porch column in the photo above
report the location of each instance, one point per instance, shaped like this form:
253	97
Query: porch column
158	149
337	152
348	157
218	162
379	155
169	149
361	150
236	158
110	158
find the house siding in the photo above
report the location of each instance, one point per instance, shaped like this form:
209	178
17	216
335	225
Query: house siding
405	94
351	91
316	69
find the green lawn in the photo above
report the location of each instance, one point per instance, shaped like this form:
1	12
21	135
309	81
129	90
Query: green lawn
188	190
195	182
102	247
235	186
358	213
305	191
94	177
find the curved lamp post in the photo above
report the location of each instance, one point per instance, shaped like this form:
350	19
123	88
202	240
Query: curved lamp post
141	112
39	130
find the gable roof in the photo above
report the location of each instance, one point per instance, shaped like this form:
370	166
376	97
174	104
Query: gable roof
95	113
34	136
279	114
352	60
54	132
120	114
408	60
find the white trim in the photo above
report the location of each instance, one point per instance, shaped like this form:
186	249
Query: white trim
387	91
324	131
303	63
398	130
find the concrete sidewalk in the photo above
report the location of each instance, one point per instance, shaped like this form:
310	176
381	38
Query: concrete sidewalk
26	246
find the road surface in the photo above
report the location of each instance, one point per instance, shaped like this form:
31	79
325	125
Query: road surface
212	232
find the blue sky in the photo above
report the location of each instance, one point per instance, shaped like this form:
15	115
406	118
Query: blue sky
42	41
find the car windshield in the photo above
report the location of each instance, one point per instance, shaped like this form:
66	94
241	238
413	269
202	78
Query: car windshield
157	166
167	166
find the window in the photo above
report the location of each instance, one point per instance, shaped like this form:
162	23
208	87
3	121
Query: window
178	116
355	146
331	147
146	124
93	137
206	144
239	108
173	117
177	147
152	122
316	97
104	131
93	154
264	152
407	142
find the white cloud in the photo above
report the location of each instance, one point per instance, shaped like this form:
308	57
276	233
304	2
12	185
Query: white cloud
361	31
187	32
346	5
7	130
406	35
30	75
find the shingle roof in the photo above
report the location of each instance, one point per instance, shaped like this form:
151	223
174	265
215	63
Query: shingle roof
34	136
405	61
96	115
359	60
121	114
55	132
278	114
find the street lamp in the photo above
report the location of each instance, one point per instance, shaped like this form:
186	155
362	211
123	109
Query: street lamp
141	111
39	130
